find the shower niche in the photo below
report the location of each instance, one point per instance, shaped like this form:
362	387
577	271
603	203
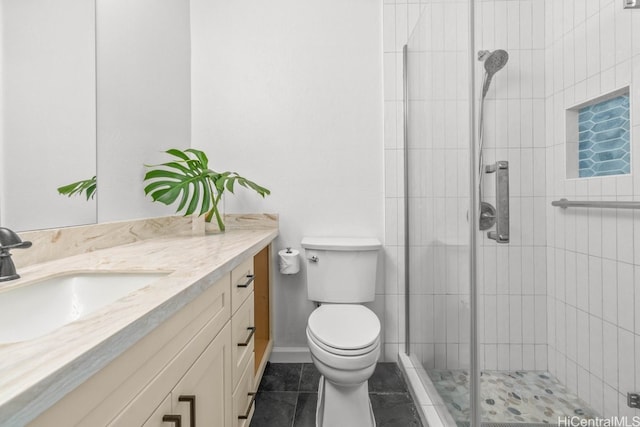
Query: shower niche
598	139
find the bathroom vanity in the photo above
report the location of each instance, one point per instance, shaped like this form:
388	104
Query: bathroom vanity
192	345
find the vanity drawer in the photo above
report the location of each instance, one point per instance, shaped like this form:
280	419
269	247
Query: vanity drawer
243	338
241	283
243	398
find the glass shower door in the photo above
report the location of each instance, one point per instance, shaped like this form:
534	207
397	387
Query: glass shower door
437	153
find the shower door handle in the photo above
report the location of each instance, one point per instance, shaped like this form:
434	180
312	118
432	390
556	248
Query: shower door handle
501	168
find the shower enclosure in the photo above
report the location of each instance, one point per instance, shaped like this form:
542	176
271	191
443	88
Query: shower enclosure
540	328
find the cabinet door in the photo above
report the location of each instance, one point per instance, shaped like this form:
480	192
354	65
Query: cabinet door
155	420
206	387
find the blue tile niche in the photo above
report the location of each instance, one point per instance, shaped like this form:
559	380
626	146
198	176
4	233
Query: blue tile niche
604	145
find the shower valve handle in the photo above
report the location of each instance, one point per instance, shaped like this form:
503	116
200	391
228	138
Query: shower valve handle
501	168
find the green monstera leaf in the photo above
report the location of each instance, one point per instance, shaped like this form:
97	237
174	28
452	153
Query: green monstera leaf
187	180
86	186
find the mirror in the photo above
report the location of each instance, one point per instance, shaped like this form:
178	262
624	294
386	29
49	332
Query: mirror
144	98
48	120
61	120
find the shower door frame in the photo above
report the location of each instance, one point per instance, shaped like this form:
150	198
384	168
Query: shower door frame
473	215
474	220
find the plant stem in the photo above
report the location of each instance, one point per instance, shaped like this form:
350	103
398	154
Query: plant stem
217	212
208	215
214	209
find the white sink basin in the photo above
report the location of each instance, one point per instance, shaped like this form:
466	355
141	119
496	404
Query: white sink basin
34	310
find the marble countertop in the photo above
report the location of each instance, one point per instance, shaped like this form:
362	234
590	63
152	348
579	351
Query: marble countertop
35	374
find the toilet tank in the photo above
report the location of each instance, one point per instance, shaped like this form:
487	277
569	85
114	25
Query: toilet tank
341	269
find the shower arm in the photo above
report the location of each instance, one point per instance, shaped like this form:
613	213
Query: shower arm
480	147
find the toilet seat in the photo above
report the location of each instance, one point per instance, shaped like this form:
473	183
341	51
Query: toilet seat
342	363
340	351
344	329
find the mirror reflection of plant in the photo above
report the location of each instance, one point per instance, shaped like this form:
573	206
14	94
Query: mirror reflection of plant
199	189
86	186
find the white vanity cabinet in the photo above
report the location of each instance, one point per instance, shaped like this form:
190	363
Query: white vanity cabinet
200	363
201	397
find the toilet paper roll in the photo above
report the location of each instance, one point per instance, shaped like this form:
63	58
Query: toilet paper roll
289	261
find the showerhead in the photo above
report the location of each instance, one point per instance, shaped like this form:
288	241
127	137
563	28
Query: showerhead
493	63
496	61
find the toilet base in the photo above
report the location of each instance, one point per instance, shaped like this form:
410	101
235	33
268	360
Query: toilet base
344	406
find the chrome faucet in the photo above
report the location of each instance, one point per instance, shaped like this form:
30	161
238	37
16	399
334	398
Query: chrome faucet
9	240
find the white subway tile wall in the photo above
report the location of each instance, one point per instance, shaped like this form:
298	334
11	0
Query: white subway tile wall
593	254
562	295
512	278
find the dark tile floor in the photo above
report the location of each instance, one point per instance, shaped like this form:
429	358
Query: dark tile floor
288	395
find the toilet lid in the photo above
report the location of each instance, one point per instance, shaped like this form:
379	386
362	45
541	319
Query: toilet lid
344	326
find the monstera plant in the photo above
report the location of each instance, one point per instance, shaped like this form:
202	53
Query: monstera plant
86	186
187	180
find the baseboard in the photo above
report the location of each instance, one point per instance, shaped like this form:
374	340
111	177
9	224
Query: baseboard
290	355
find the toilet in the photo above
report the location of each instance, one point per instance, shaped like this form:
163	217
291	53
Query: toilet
343	336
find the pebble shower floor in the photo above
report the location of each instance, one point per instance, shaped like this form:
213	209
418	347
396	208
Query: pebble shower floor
513	398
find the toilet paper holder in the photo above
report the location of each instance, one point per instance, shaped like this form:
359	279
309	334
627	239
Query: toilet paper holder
289	261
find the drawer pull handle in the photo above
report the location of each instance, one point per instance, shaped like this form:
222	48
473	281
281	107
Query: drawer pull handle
250	278
246	343
192	407
175	419
246	414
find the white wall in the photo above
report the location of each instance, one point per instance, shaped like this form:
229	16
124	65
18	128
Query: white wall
289	94
49	111
593	255
143	65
